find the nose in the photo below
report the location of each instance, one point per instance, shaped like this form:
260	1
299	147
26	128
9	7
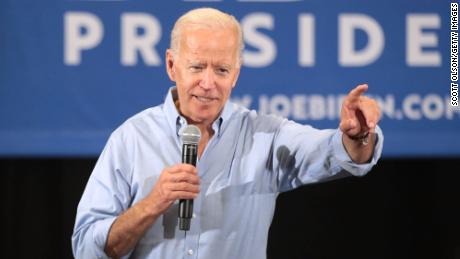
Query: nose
208	80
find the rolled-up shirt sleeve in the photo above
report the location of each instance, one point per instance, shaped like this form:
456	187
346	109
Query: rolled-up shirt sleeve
107	195
89	241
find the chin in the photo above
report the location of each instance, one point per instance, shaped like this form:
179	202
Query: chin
202	116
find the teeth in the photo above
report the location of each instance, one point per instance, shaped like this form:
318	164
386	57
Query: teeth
203	99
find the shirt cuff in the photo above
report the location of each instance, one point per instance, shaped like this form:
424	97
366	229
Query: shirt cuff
344	159
100	234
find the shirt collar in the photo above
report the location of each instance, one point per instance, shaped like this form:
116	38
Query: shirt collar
177	121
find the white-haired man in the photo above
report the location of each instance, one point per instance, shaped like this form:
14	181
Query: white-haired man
129	207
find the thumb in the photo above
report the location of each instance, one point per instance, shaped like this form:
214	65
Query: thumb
347	125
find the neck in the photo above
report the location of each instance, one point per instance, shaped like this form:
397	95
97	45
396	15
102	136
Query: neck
206	134
205	128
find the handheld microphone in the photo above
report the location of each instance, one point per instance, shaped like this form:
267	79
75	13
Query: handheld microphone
190	137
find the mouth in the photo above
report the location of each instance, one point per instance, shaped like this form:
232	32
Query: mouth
204	99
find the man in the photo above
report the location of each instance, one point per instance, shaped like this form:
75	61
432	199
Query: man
129	207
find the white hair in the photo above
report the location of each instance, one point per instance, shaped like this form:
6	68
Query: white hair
207	17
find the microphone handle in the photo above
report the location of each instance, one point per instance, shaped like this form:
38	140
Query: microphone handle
189	156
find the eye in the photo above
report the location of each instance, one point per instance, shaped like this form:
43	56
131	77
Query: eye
195	68
222	71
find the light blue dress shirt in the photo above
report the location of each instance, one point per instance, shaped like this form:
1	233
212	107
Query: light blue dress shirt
250	159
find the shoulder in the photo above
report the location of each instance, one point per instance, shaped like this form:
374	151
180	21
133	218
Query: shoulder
141	123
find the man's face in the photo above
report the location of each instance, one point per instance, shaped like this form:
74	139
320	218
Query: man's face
205	70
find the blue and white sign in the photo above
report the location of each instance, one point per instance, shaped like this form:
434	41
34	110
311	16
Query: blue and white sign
71	71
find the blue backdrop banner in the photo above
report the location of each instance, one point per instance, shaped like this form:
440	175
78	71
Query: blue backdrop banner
71	71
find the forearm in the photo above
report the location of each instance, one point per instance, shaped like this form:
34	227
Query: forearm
358	151
128	228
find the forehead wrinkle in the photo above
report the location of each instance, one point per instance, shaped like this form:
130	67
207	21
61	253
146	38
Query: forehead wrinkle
192	41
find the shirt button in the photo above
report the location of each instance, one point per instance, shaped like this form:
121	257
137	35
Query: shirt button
190	252
194	215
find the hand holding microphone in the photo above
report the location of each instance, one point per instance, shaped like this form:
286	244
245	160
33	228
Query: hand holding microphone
179	182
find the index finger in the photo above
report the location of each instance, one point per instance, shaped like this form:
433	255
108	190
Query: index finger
358	91
183	168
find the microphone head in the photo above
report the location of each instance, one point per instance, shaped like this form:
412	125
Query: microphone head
191	135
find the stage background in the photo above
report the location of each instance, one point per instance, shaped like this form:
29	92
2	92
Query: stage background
71	71
405	208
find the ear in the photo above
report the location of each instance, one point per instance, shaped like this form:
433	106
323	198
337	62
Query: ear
170	69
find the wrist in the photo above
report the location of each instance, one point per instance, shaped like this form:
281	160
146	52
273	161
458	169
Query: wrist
149	209
361	138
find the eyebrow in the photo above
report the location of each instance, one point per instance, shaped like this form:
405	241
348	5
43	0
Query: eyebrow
199	62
